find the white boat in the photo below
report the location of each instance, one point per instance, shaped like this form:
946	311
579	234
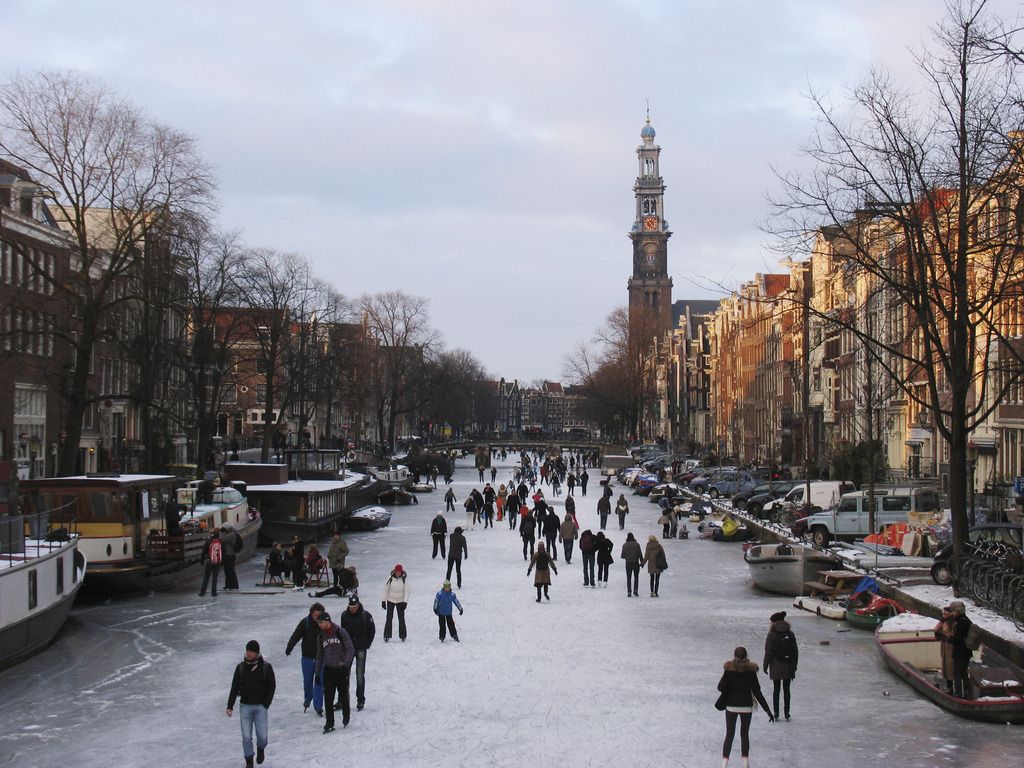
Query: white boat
398	476
819	607
784	568
40	574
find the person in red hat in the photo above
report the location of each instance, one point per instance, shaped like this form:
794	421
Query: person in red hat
396	597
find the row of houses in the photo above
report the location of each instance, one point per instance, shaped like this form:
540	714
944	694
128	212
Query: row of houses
549	408
780	371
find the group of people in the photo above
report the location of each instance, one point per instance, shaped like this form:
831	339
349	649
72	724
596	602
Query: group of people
221	549
306	565
739	687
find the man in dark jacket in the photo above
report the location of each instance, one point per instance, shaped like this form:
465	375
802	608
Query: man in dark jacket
358	622
308	632
253	683
780	659
231	544
438	530
551	526
957	626
512	504
527	527
456	550
334	656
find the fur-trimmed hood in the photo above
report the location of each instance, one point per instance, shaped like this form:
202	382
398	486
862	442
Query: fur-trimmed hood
733	665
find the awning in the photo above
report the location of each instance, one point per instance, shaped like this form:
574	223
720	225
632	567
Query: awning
913	441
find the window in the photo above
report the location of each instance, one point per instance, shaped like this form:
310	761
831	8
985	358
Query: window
33	590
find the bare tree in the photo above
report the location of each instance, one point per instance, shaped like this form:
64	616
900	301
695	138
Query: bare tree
922	190
398	327
113	179
278	289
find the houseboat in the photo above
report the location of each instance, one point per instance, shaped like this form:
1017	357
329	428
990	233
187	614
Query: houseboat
131	527
41	571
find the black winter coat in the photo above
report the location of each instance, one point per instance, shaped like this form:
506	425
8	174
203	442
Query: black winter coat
309	633
360	627
253	683
438	526
457	547
527	527
740	686
604	551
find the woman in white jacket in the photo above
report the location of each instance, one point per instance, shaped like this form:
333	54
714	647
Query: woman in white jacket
396	596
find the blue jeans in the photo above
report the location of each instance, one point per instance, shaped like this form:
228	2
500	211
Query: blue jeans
310	692
253	715
360	676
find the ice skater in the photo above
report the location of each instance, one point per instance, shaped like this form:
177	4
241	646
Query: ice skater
438	530
444	601
254	684
457	549
544	564
739	688
780	659
396	598
334	656
307	632
631	555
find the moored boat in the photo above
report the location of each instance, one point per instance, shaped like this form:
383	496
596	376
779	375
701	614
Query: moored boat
366	519
910	650
41	571
784	568
872	613
827	609
131	529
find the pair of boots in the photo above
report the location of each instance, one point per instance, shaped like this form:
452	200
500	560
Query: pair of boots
744	762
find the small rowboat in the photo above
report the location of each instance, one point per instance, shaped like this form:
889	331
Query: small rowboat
820	607
911	651
872	614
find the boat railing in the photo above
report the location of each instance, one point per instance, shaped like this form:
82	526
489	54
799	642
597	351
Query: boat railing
44	530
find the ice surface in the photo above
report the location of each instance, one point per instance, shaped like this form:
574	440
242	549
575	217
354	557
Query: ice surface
590	679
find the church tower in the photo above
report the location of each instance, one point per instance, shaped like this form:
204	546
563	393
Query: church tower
650	287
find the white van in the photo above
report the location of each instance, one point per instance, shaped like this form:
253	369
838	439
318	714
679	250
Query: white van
610	465
824	494
850	518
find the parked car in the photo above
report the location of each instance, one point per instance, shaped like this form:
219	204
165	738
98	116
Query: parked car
754	501
629	474
645	483
731	482
1004	533
701	483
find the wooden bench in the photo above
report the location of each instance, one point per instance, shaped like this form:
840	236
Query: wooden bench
832	583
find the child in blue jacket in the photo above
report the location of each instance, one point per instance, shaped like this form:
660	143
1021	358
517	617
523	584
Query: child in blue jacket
443	602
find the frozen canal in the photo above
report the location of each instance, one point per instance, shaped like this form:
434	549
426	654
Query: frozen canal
590	679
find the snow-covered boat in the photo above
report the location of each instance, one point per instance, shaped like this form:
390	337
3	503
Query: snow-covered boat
827	609
397	496
421	488
131	530
365	519
911	651
41	571
784	568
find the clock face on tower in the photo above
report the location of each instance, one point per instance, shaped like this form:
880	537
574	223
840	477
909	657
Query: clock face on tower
650	223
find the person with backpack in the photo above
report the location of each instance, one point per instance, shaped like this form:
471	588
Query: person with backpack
213	556
254	684
781	655
231	545
449	501
308	633
527	530
396	598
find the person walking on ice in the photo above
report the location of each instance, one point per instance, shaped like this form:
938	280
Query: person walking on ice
253	683
544	564
739	688
444	601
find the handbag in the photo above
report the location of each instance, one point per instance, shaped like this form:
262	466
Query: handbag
662	563
720	703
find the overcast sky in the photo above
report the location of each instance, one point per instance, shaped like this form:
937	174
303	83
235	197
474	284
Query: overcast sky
482	154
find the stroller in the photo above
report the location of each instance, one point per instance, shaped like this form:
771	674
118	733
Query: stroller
348	585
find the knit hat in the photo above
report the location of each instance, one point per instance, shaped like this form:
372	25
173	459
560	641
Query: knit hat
325	616
780	616
398	569
253	646
446	584
353	600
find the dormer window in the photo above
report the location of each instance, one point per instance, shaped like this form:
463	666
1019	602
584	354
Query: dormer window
26	205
